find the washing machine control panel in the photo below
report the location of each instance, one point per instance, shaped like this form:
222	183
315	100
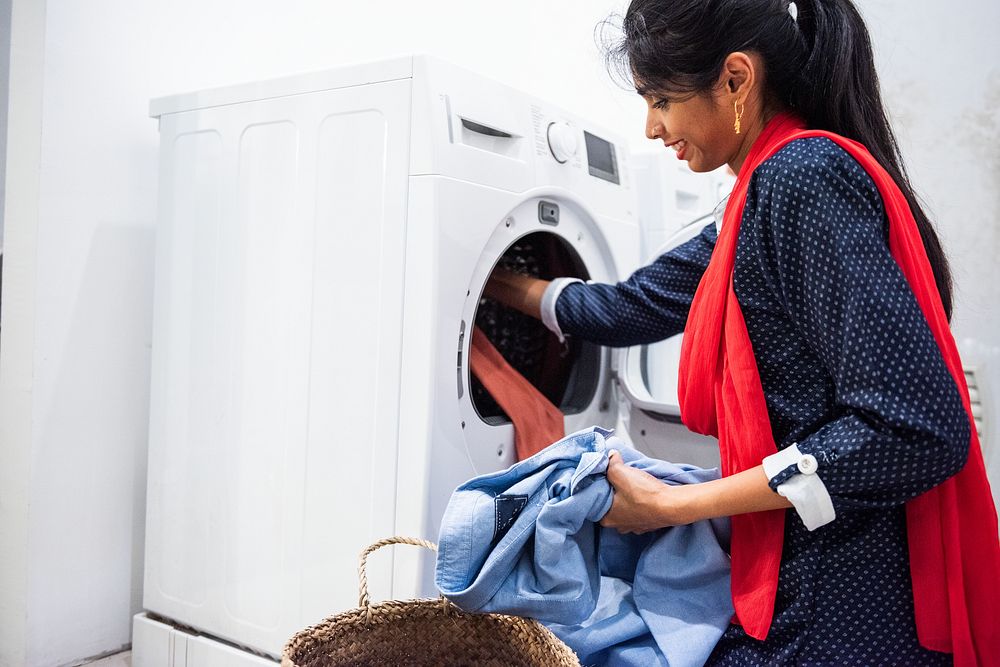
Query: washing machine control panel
558	141
566	143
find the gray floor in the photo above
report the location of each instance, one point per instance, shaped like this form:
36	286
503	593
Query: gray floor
123	659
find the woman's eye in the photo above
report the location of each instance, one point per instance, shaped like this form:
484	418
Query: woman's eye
660	104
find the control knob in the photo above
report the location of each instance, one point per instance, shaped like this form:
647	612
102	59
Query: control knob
562	141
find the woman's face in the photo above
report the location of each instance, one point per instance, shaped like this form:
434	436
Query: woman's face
699	127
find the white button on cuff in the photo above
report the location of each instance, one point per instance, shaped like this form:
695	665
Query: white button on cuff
805	490
808	465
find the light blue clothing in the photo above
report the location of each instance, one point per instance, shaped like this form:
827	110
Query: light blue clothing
526	541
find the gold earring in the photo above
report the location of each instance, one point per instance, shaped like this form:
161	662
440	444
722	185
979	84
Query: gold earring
738	107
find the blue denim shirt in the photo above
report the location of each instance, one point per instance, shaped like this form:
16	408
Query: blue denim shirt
526	541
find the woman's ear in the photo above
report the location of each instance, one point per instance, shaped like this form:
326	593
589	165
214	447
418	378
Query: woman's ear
738	74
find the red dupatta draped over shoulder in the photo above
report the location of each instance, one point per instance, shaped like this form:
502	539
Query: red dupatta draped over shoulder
952	529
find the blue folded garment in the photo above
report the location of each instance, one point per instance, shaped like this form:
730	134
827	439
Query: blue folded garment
526	541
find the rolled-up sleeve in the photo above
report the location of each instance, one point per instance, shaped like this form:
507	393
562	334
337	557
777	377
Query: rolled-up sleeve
548	305
651	305
898	426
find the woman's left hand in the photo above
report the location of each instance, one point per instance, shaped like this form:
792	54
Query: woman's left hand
641	502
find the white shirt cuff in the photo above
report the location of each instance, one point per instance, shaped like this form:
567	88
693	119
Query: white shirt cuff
805	490
548	305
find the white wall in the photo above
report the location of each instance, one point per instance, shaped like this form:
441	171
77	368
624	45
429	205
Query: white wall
24	125
79	362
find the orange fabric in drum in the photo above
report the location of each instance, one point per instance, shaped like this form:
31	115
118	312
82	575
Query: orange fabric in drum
537	423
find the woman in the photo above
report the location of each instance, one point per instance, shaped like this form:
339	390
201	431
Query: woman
816	346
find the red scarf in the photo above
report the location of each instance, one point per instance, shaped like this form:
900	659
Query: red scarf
952	529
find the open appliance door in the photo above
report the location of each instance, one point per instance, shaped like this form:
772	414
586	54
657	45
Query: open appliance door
646	377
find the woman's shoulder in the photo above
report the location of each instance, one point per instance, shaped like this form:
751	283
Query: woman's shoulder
815	162
812	187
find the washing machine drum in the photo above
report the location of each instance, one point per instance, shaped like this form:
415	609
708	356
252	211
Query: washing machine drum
566	373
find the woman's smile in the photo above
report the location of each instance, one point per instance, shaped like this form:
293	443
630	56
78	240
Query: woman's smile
678	145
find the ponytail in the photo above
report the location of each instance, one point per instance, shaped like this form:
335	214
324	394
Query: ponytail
818	61
838	90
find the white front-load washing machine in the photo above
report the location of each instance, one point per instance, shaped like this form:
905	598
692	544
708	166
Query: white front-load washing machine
322	248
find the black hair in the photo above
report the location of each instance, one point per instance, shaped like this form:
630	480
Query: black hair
818	64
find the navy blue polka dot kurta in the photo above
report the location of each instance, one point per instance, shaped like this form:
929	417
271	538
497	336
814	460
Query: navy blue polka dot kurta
851	374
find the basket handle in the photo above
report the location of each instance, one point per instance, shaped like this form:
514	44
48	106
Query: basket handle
363	600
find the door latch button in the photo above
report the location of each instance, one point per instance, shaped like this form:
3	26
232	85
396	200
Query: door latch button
548	213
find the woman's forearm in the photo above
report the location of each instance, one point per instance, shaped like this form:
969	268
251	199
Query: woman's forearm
744	492
643	503
518	291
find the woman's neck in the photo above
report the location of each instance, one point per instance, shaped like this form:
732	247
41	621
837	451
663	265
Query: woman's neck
753	130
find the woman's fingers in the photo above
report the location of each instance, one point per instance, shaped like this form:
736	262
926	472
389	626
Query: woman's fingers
620	504
616	470
613	458
641	503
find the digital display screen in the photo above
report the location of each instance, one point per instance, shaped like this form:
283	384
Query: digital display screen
601	158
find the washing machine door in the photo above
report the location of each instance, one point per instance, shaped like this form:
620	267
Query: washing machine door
548	233
647	376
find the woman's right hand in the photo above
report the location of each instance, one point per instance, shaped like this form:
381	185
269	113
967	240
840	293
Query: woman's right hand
517	291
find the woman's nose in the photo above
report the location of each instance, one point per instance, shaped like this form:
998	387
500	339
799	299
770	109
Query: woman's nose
653	127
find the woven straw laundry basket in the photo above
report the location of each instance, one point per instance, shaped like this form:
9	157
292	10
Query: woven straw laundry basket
423	632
